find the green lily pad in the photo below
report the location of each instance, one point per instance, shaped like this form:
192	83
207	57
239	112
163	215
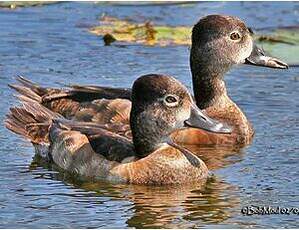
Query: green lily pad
142	33
15	4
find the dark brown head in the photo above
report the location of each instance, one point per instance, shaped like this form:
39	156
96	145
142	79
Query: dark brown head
220	41
160	106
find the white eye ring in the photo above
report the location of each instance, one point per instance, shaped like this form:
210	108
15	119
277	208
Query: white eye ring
235	36
171	100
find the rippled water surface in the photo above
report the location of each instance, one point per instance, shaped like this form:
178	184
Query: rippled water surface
51	45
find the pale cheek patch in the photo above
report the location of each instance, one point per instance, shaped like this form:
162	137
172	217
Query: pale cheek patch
183	115
246	53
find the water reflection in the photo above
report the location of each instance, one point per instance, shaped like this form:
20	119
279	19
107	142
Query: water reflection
216	158
182	207
186	206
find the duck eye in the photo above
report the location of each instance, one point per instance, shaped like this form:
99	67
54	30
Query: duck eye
235	36
171	100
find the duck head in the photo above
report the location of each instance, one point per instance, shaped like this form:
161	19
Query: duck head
160	106
220	41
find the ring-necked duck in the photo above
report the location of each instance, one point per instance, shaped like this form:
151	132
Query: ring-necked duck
160	105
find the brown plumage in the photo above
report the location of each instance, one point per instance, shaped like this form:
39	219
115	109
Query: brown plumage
218	42
160	106
83	103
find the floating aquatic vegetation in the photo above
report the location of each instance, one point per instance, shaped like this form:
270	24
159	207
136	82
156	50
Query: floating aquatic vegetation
141	33
283	43
15	4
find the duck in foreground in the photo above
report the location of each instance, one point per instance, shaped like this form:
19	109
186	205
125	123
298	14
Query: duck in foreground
160	105
218	43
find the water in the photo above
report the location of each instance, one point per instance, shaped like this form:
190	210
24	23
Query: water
50	45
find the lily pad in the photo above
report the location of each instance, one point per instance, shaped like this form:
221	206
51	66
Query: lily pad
15	4
142	33
282	43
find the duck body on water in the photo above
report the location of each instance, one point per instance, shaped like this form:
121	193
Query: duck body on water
152	158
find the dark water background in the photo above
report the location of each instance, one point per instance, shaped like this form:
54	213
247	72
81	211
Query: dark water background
51	45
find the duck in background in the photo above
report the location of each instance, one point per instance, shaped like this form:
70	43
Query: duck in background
218	43
160	106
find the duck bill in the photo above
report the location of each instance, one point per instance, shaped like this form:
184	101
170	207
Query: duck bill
200	120
258	58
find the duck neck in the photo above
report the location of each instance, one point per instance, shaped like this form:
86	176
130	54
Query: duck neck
147	132
208	81
209	91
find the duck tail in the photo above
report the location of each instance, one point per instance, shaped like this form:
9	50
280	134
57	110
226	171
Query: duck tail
41	91
31	120
29	89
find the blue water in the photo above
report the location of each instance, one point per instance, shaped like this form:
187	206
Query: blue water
51	45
